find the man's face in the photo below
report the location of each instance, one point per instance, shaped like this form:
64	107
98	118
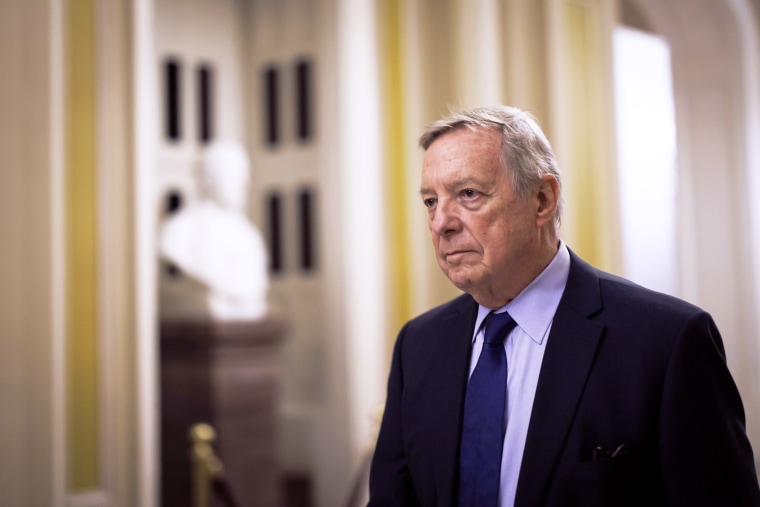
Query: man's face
486	238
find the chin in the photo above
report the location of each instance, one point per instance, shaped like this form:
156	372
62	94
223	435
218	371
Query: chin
461	282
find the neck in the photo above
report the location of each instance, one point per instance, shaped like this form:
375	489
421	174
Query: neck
496	297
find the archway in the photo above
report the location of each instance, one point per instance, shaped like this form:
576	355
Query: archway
714	55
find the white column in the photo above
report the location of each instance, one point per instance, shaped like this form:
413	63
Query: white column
146	343
32	292
363	206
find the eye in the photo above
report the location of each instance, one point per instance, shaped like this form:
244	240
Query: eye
429	202
469	193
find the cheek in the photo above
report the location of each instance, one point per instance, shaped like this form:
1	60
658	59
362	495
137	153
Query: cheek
489	233
436	240
498	239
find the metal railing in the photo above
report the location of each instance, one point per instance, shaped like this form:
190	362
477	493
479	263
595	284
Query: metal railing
208	481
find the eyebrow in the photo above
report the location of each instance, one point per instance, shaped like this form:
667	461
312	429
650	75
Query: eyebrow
464	182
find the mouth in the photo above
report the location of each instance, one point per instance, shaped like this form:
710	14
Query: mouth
456	254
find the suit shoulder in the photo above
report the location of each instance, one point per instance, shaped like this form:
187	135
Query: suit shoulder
615	289
456	315
458	305
598	294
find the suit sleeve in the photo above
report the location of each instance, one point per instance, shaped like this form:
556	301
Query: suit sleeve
705	454
390	483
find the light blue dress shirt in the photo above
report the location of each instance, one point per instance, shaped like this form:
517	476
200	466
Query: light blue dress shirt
533	310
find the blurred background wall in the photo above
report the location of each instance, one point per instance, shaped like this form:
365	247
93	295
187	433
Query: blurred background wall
652	107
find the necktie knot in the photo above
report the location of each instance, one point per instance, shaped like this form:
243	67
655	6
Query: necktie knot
497	327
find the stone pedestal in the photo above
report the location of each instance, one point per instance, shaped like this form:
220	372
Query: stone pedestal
224	374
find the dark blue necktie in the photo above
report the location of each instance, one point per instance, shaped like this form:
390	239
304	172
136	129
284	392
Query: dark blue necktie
483	425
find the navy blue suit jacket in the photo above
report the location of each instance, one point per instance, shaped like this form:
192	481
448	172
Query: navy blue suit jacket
623	365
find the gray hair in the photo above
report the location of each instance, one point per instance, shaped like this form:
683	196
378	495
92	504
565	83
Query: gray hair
525	152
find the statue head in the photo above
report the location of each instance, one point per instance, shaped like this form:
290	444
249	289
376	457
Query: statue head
225	174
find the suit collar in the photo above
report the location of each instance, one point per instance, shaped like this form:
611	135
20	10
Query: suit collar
569	355
582	291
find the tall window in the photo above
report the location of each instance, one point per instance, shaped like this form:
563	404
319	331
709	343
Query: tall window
205	77
271	105
173	99
646	139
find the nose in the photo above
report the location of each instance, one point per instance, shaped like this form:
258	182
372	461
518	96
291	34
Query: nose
445	218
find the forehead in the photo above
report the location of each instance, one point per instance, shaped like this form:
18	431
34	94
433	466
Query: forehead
464	150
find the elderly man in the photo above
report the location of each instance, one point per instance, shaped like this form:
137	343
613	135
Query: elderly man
549	382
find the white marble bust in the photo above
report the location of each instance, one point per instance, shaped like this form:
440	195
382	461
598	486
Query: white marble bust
213	242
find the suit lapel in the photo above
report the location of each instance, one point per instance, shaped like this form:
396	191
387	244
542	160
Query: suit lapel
455	338
569	355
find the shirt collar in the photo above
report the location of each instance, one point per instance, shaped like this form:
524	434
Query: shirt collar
533	309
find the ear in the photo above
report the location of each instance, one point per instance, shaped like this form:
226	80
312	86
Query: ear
548	199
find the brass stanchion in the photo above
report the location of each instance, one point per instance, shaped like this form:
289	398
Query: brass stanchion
207	468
